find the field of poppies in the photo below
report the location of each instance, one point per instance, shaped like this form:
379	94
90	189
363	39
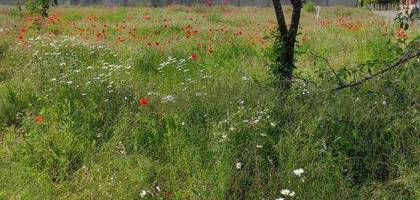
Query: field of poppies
178	103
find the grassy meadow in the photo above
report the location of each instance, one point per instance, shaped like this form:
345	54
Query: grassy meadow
178	103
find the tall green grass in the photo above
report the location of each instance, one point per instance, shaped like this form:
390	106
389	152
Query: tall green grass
214	128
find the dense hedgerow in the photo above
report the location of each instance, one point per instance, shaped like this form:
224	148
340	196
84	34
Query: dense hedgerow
163	112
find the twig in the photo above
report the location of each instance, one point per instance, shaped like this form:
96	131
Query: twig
315	56
405	58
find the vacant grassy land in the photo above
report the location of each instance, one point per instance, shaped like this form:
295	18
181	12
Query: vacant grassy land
178	103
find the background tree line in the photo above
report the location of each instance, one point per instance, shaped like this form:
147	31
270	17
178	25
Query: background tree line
191	2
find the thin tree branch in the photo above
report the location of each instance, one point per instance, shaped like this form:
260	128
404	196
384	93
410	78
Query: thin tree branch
405	58
316	56
280	17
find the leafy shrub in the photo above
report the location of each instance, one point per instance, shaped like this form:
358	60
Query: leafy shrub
14	12
309	6
37	7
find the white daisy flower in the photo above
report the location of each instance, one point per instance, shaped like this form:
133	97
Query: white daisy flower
285	192
238	165
168	98
143	194
298	172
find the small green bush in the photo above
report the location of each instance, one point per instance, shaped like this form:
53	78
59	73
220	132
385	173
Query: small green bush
14	12
37	7
309	6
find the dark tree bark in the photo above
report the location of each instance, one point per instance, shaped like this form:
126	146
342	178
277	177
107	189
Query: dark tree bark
45	5
155	3
19	6
285	44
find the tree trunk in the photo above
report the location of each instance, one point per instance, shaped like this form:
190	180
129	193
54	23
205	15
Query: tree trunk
155	3
19	6
45	5
285	44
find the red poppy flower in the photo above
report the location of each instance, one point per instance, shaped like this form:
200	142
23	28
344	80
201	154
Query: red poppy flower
157	43
120	39
401	34
324	22
194	56
23	30
147	17
238	33
39	119
143	101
